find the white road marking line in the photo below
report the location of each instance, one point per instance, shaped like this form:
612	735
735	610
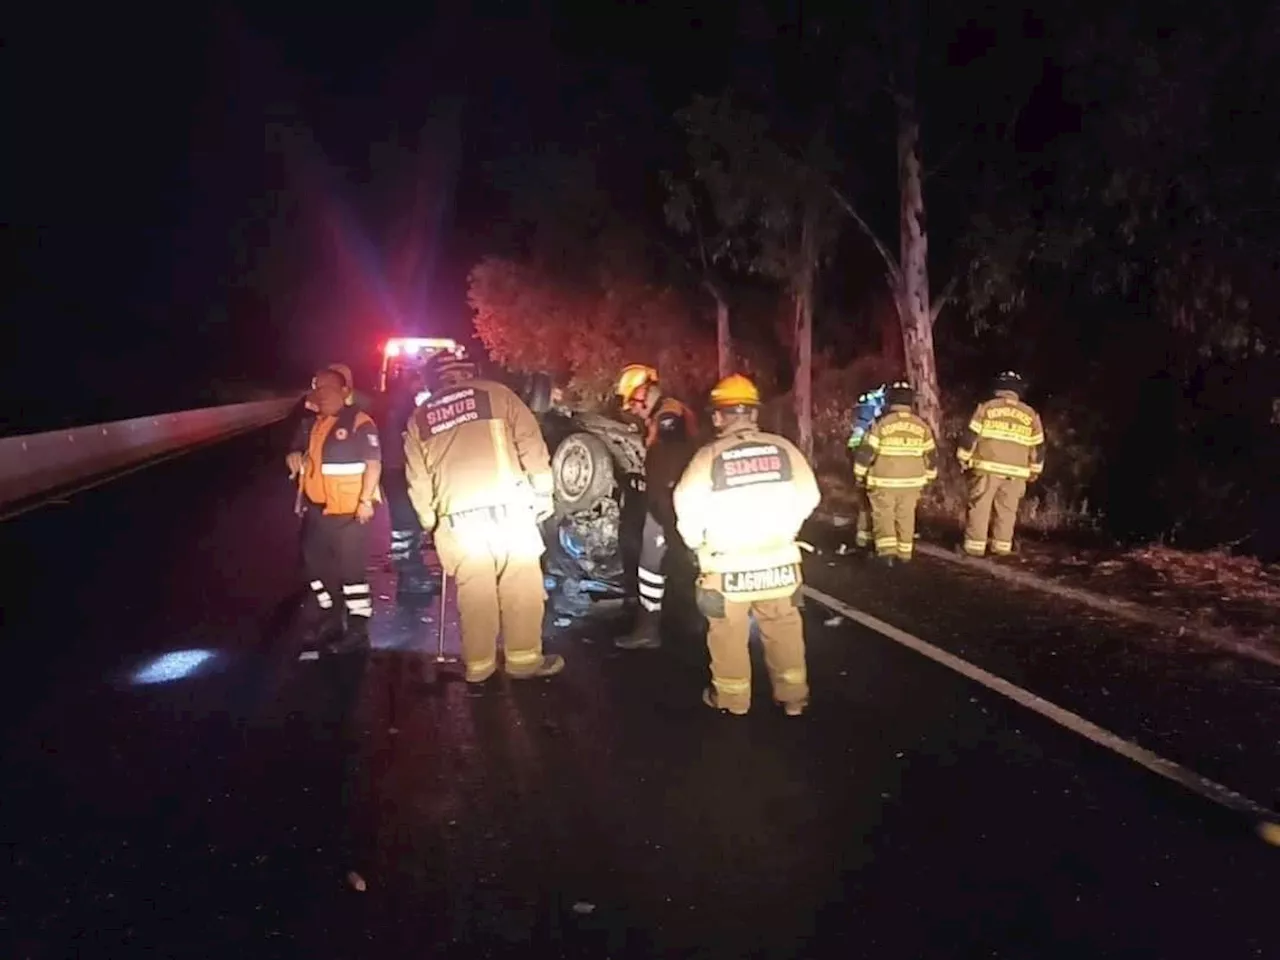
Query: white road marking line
1209	789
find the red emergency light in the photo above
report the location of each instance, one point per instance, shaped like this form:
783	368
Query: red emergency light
411	346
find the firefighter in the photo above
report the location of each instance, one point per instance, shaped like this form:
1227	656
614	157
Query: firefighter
336	458
896	459
480	476
870	405
406	532
1003	450
739	505
670	427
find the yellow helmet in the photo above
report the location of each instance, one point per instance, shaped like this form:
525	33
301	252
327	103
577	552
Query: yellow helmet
735	390
634	377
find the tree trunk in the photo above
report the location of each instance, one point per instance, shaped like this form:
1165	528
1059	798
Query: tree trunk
724	342
913	295
802	391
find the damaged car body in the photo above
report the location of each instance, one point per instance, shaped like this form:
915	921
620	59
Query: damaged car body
597	465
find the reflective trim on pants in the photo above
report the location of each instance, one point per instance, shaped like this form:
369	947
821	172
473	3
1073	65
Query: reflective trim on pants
782	636
496	572
652	587
651	583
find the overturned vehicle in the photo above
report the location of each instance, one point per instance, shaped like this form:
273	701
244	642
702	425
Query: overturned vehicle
593	539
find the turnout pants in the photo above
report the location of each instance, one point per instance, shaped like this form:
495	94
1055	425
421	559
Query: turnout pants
893	519
651	580
496	569
862	507
728	636
335	550
993	510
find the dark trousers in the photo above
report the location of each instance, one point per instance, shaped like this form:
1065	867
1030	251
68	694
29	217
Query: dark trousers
406	531
652	579
335	551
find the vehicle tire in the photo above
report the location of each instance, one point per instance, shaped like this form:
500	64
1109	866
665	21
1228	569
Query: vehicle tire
582	471
538	393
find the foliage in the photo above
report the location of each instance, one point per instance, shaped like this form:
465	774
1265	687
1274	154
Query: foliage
528	320
760	194
1107	209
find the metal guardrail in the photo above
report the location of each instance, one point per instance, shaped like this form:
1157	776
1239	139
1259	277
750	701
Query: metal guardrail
41	462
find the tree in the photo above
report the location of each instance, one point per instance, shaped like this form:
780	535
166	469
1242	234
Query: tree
774	212
688	215
530	320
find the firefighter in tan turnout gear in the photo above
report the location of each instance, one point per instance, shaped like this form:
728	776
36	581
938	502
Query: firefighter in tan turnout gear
1003	451
479	475
895	460
739	506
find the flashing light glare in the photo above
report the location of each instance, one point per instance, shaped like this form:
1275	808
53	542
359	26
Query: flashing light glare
414	345
172	666
421	397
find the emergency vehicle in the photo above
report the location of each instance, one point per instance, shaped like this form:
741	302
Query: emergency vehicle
404	356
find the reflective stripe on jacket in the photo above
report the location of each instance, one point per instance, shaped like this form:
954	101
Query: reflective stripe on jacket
897	453
472	446
338	449
740	504
1004	437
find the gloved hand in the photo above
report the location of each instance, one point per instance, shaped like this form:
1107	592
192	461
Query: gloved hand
294	462
428	522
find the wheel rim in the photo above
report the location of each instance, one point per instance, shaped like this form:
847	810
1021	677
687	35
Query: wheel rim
576	469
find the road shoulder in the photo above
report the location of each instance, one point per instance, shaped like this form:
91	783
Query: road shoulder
1197	704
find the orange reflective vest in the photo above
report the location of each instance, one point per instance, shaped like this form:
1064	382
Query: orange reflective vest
338	448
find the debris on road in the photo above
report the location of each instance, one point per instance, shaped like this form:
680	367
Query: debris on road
356	881
584	908
309	655
833	621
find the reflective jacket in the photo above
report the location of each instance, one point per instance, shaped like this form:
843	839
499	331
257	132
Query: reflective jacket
475	448
897	453
1005	437
739	505
870	406
338	448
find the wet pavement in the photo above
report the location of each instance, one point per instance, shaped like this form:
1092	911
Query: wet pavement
603	813
1211	710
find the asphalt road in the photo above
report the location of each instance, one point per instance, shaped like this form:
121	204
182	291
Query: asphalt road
604	813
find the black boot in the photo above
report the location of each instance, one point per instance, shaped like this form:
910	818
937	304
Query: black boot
413	580
320	629
354	639
645	635
549	666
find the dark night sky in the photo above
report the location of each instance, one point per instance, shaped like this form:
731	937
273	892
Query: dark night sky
212	193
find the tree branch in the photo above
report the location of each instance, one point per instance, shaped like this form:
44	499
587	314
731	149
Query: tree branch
891	265
942	299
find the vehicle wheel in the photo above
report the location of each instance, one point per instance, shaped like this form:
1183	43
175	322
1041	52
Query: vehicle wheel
582	470
538	392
